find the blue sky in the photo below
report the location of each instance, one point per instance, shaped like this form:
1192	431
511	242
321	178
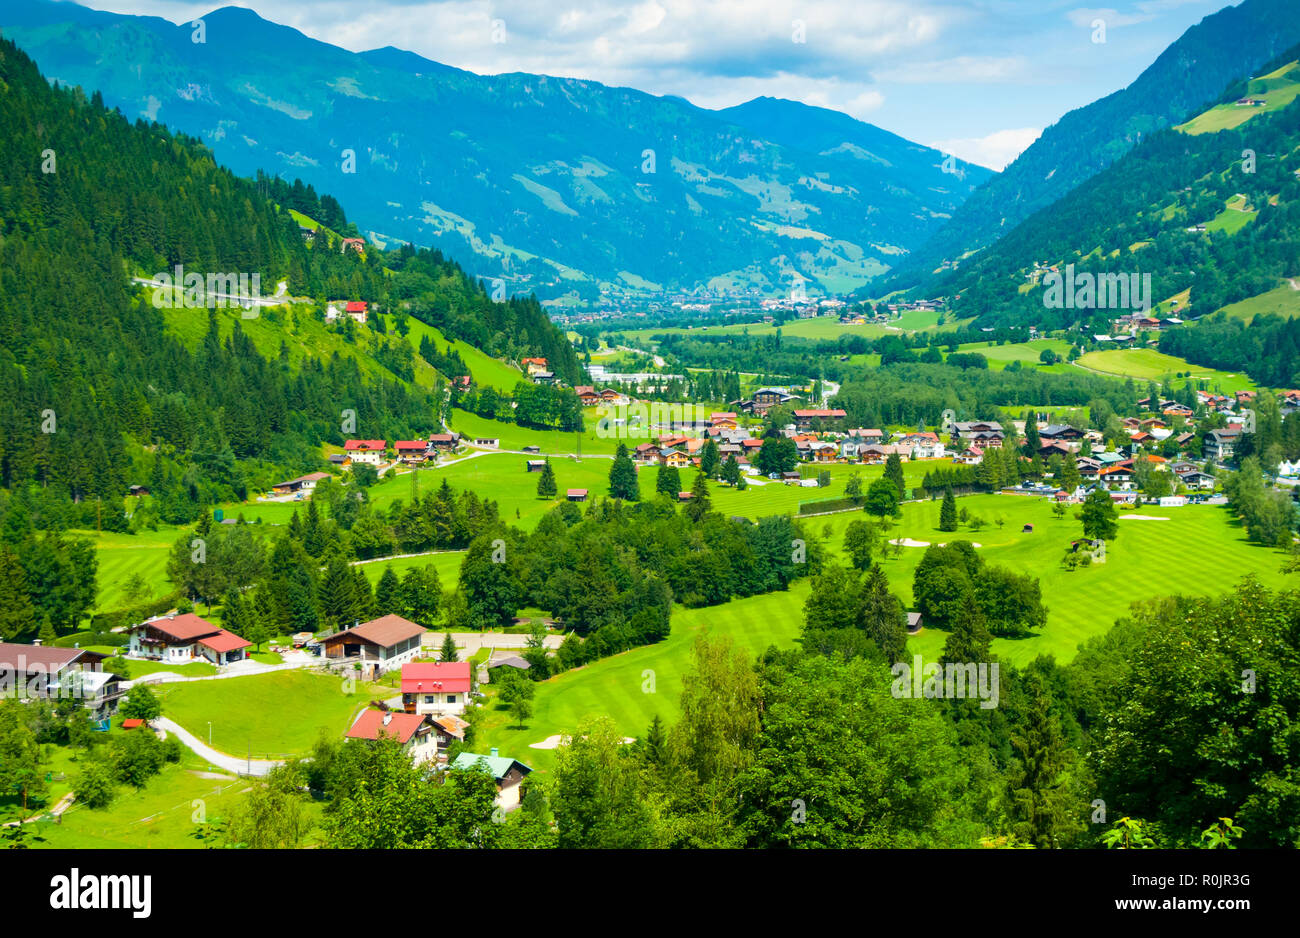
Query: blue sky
979	78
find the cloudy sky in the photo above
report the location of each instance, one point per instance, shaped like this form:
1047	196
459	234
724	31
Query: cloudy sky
978	78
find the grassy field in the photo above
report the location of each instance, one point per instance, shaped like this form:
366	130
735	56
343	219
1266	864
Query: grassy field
277	714
819	327
1281	301
999	356
121	556
486	370
516	437
1275	89
161	815
1202	548
446	563
1145	364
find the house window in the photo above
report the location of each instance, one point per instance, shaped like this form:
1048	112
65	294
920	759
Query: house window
451	698
430	698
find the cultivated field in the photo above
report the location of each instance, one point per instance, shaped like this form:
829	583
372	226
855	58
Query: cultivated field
1145	364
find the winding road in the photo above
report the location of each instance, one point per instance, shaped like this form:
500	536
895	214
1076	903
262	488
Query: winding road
232	764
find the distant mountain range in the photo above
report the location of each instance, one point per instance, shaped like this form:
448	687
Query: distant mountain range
557	185
1225	47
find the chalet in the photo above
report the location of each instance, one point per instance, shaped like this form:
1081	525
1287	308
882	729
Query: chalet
412	451
305	483
1047	450
723	420
971	456
1183	439
827	452
180	639
968	430
442	442
867	436
138	490
1060	433
576	495
1245	397
587	395
337	459
610	396
462	382
367	451
922	445
543	377
414	732
1115	475
646	453
1196	479
763	400
1176	409
435	687
356	244
1219	445
536	465
506	772
674	458
1123	498
805	419
45	672
533	366
378	645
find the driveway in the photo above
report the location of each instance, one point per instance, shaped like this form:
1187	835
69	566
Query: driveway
219	759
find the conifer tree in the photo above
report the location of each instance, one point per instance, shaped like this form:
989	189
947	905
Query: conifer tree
948	511
546	487
622	477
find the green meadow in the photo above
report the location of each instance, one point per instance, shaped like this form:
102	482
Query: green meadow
1199	550
1146	364
1281	301
276	715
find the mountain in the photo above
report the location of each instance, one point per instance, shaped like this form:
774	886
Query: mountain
1224	47
556	185
103	384
1209	211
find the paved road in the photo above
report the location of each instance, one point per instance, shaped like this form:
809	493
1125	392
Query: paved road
219	759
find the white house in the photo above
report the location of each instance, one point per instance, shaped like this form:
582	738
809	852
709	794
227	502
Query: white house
435	687
413	731
180	639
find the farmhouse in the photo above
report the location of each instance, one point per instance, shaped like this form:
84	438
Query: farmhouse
533	366
763	400
805	419
435	687
1060	433
576	495
413	731
46	672
367	451
180	639
412	451
1219	445
442	442
301	484
378	645
507	773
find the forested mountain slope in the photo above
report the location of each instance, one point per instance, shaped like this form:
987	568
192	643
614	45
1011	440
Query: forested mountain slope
99	389
1225	47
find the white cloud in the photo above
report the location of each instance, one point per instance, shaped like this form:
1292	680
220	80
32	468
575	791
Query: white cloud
961	69
995	151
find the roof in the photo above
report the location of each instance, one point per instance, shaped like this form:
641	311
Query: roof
821	412
45	657
310	477
411	444
224	641
499	766
355	306
576	493
372	723
513	661
184	628
452	724
385	631
449	677
366	444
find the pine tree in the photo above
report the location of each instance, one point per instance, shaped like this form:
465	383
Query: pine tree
894	473
700	504
388	594
882	616
668	481
948	511
1032	440
656	742
622	477
731	470
448	650
546	487
1042	802
16	609
710	459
